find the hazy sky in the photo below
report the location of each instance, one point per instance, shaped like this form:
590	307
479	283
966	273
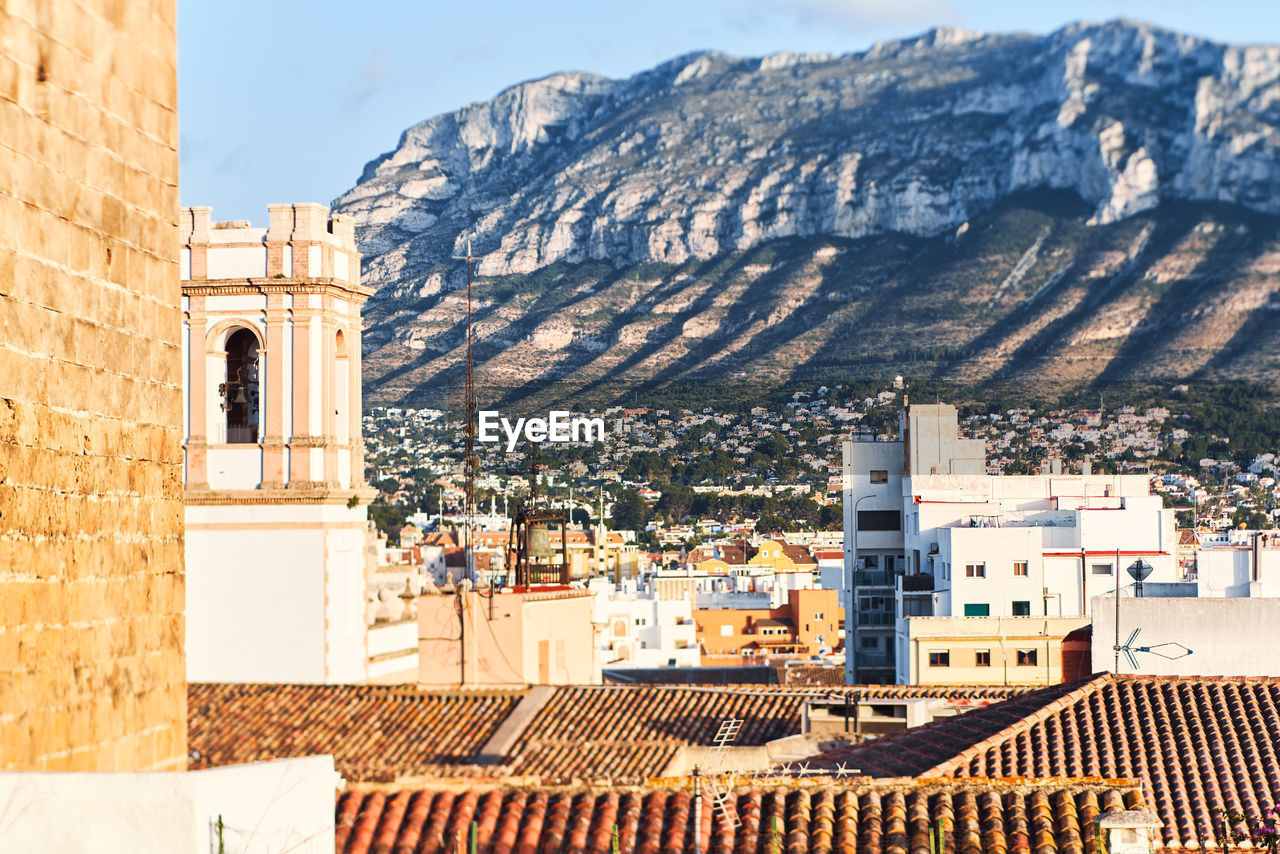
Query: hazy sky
285	101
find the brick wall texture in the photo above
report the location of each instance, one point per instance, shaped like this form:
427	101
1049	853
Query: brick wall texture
91	568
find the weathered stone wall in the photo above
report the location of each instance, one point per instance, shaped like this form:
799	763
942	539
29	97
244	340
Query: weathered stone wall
91	561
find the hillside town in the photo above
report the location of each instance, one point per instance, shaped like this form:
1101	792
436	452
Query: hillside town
243	613
789	462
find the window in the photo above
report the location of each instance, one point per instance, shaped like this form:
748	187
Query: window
915	606
982	658
1022	608
1101	569
869	642
1020	568
1026	658
975	570
940	658
817	615
879	520
977	609
879	476
640	621
726	631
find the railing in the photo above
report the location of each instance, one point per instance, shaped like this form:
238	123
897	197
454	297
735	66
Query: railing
875	618
540	574
872	577
873	659
242	435
917	582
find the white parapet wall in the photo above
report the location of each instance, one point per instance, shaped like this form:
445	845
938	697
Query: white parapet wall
264	807
1227	637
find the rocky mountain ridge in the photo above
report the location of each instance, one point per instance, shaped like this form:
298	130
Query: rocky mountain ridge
699	217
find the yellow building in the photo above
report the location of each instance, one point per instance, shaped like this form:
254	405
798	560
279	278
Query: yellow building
983	650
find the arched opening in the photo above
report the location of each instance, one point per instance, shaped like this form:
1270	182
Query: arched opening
240	391
341	389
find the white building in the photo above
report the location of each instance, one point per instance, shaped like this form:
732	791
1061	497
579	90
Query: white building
921	516
1238	563
274	465
641	630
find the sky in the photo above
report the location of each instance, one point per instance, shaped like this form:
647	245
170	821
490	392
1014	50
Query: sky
285	101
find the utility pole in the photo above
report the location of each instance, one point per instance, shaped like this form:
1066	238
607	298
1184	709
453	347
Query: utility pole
470	462
1117	665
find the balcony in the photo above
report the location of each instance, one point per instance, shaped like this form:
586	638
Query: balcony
875	618
873	578
873	660
917	582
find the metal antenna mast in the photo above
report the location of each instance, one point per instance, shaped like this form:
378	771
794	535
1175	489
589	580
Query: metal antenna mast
470	462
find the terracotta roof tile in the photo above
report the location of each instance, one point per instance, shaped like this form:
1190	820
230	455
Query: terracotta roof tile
862	815
1196	744
387	733
375	733
629	733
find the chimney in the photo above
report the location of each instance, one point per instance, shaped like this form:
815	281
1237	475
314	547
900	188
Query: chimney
1129	831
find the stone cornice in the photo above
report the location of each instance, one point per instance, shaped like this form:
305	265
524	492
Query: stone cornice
278	495
261	287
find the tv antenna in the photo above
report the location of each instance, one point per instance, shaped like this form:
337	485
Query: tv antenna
470	462
1129	649
1139	570
722	784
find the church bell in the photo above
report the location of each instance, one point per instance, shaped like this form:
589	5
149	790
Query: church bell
539	541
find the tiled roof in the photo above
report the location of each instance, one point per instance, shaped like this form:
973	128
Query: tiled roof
812	675
799	555
629	733
1197	744
864	816
375	733
919	751
387	733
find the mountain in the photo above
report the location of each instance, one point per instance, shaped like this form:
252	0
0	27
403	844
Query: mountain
1095	205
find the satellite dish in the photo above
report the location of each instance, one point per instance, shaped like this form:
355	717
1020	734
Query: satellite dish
1139	570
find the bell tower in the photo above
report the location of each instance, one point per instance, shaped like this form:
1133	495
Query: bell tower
274	464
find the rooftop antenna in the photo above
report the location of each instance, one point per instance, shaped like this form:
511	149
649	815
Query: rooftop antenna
1173	649
722	785
470	462
1138	571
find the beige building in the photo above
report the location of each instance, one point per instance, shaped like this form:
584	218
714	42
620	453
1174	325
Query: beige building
987	650
275	495
91	573
473	640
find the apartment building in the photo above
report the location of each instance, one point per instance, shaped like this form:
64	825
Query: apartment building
643	630
929	534
807	624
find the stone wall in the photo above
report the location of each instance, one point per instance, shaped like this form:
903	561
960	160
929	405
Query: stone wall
91	560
